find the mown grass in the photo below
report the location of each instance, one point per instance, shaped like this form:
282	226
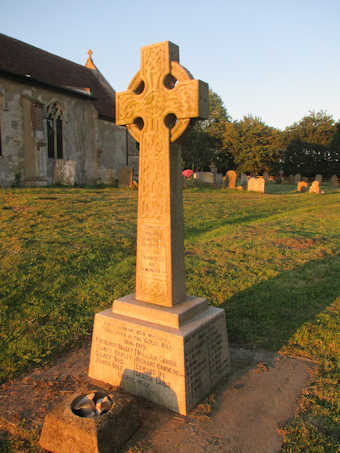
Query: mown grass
271	261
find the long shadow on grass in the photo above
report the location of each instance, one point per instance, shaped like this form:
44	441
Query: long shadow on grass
198	230
269	313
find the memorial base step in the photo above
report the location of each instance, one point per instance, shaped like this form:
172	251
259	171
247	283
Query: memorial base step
174	367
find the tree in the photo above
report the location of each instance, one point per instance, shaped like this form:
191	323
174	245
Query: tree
255	147
311	145
202	144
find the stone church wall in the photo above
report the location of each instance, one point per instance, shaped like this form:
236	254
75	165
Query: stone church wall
111	151
98	147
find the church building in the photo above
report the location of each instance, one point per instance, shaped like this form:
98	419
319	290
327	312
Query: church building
57	121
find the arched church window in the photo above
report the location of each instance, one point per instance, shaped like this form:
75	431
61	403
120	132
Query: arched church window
54	131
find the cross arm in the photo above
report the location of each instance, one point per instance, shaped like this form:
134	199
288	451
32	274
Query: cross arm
126	108
189	99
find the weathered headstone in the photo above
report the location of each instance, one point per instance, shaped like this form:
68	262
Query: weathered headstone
231	178
291	179
219	179
334	181
297	178
266	176
106	176
125	175
318	178
244	181
65	172
315	187
160	343
206	177
302	186
256	184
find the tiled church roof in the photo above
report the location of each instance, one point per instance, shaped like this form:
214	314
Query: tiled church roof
28	62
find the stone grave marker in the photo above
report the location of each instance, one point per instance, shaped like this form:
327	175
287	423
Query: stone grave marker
334	181
315	187
125	177
206	177
65	172
318	178
297	178
219	179
231	178
302	186
266	176
256	184
160	343
244	181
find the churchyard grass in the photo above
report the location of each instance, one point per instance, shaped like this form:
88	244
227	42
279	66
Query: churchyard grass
271	261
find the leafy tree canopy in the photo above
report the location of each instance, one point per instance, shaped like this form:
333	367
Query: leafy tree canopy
202	144
254	145
312	145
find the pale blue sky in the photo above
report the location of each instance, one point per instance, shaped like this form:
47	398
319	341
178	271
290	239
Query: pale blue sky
274	59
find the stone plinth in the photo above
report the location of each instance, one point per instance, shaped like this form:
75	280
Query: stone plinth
171	356
65	432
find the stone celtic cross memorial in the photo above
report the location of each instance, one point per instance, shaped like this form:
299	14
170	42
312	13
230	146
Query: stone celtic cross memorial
160	343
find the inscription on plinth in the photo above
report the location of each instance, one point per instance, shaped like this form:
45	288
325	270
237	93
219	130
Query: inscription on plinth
171	367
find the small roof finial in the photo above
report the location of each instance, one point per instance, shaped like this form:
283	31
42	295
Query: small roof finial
89	62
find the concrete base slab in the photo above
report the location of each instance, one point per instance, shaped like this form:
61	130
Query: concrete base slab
173	367
245	414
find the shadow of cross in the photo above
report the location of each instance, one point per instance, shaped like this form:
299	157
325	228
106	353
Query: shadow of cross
157	108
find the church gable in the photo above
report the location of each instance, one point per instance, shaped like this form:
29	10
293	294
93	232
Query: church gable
33	65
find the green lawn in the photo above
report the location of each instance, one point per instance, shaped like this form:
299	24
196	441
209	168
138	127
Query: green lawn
271	261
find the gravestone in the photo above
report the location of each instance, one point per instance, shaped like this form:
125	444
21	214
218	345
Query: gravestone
302	186
266	176
160	343
256	184
315	187
334	181
125	177
318	178
206	177
65	172
244	181
231	177
297	178
219	179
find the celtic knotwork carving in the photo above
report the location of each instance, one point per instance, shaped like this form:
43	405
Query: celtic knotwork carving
157	108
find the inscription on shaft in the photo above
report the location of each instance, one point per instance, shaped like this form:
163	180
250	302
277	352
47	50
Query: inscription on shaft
157	108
